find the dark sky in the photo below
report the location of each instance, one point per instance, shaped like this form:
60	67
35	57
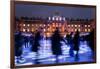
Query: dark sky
46	11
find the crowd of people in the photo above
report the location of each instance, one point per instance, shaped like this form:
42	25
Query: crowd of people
56	38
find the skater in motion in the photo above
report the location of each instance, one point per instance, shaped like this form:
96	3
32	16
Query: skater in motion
56	45
36	45
76	45
26	40
70	43
90	39
18	46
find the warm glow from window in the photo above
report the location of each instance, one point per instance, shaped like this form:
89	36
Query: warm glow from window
28	25
72	25
78	25
28	30
75	25
85	30
79	30
75	29
44	30
85	25
23	24
89	30
32	29
44	25
23	30
68	25
88	25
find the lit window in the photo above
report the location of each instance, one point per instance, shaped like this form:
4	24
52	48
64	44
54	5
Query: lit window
75	29
49	18
79	30
85	25
28	30
28	25
23	24
57	18
89	30
88	25
78	25
40	25
60	18
23	30
72	25
44	25
48	29
85	30
64	18
75	25
68	25
32	29
44	30
53	18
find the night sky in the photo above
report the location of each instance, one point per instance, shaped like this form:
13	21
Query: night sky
46	11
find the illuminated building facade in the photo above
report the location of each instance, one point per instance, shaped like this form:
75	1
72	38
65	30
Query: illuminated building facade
49	25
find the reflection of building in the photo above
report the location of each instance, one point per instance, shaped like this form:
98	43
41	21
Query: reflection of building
49	25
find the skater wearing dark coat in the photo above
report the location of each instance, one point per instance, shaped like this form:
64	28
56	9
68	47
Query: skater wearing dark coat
56	45
76	44
26	40
18	44
91	40
36	44
70	42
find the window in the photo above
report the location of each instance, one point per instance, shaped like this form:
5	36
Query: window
89	30
79	30
28	30
85	30
75	29
72	25
28	25
23	24
85	25
75	25
68	25
23	30
49	18
78	25
88	25
53	18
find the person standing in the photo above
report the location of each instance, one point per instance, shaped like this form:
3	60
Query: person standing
36	45
76	44
18	46
55	44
